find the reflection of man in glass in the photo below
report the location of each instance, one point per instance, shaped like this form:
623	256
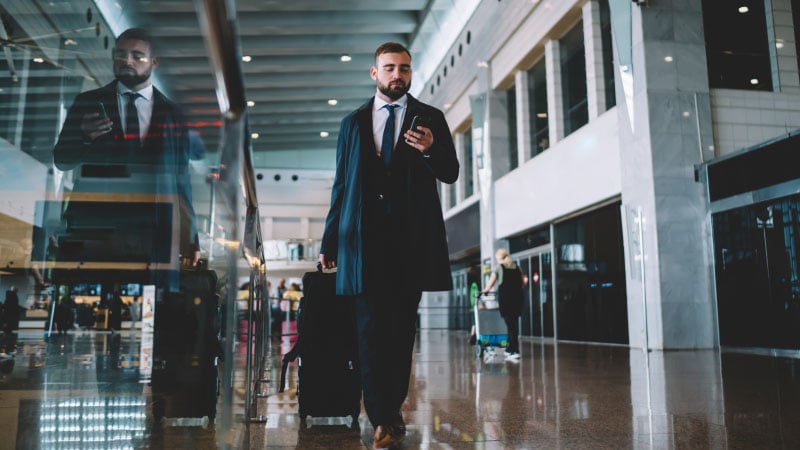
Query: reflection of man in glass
112	132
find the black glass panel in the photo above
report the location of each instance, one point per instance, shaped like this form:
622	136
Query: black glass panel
546	294
590	282
755	169
537	108
573	80
758	289
529	305
513	159
531	239
469	182
608	54
737	47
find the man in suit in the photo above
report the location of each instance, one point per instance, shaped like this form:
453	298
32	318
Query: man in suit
385	231
126	126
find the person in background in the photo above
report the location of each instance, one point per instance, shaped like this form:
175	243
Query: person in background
385	231
115	310
509	282
135	311
12	310
63	317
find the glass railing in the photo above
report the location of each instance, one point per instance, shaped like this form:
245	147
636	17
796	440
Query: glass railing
164	227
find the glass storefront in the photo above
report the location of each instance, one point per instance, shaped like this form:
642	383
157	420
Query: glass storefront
758	288
591	303
537	312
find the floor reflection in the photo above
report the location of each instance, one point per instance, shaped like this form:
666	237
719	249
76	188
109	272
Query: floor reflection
89	390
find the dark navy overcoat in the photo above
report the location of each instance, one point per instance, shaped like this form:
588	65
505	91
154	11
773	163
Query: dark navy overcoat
424	227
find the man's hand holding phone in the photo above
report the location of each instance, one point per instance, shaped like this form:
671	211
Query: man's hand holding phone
419	135
96	124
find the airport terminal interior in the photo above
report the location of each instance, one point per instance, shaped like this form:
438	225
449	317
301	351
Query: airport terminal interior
635	158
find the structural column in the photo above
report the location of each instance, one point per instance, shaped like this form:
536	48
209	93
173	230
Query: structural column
670	290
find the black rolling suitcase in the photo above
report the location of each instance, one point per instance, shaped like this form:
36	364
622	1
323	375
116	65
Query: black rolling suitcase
329	384
186	347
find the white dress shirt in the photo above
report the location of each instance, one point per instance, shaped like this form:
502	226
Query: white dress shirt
144	106
379	116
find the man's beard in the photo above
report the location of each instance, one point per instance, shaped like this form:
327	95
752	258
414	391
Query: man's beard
130	78
394	92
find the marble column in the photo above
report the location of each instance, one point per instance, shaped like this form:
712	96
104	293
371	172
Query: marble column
670	302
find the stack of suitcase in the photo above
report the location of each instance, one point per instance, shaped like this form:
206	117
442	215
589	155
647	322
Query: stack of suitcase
329	384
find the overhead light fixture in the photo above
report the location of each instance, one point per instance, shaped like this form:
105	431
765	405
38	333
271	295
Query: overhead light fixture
744	9
70	42
779	44
333	102
251	103
345	58
38	60
668	58
753	81
247	58
541	115
254	135
324	134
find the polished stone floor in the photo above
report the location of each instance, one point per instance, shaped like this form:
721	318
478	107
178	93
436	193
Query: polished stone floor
85	390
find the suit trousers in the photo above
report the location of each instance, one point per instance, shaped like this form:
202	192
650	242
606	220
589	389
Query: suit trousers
386	318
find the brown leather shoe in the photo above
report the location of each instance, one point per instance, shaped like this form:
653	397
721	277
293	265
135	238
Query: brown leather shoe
386	437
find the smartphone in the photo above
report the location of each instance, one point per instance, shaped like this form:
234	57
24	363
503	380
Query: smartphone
103	112
420	120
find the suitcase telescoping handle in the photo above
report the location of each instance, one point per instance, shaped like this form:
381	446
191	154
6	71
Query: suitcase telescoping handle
287	358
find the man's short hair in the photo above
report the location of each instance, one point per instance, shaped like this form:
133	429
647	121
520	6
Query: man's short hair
139	34
391	47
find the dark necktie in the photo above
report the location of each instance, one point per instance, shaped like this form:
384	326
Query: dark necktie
132	121
388	136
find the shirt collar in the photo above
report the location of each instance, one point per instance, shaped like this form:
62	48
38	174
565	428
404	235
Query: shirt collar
401	102
146	93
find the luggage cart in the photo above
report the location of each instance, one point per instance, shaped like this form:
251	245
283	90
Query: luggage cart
490	328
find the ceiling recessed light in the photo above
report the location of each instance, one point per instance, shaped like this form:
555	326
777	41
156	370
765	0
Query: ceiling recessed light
333	102
251	103
743	9
779	43
254	135
668	58
70	42
686	114
541	115
247	58
345	58
38	60
324	134
753	81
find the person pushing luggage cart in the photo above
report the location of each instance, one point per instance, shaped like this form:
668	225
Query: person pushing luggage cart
509	282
